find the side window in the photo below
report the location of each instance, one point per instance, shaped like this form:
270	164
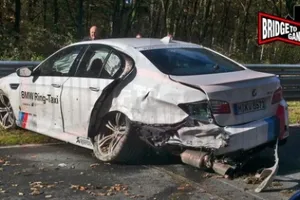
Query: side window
60	63
112	67
92	61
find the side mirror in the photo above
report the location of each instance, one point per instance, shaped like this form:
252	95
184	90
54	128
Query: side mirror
24	72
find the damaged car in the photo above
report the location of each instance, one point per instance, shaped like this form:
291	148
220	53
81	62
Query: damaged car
120	96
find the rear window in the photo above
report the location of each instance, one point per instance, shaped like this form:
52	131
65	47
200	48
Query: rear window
189	61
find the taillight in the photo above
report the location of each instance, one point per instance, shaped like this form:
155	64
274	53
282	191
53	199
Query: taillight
198	110
220	107
277	96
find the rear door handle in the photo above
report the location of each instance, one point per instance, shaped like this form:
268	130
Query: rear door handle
94	89
55	85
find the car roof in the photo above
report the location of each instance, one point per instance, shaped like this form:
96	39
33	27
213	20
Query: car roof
140	43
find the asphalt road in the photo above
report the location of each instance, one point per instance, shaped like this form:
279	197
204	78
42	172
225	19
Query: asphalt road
69	172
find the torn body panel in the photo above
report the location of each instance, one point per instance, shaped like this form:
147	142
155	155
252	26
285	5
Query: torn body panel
152	98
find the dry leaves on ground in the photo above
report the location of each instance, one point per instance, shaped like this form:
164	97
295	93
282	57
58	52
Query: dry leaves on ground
94	165
7	163
105	190
184	187
252	180
36	187
288	193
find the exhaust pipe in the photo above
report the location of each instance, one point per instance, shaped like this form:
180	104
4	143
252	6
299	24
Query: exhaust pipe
197	159
223	169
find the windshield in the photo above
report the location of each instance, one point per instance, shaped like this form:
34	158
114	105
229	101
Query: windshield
189	61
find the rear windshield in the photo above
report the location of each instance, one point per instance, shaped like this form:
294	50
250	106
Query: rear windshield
189	61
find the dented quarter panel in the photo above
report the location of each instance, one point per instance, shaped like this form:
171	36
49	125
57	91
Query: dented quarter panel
152	98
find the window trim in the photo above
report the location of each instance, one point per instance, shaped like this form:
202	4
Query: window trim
111	50
123	62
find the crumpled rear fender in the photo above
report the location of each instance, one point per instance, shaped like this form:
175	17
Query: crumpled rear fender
146	96
151	102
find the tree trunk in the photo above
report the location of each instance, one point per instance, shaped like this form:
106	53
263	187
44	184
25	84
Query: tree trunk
80	19
17	18
206	24
45	13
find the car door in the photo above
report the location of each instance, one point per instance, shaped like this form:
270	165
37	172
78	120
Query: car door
40	108
97	69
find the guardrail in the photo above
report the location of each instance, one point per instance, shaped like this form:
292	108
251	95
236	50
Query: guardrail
289	74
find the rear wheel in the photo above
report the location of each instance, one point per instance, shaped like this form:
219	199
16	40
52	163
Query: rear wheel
7	117
116	142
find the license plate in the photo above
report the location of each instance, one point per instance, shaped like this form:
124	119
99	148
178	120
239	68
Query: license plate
249	106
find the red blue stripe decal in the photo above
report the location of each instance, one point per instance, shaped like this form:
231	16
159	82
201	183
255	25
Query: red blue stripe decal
273	127
23	117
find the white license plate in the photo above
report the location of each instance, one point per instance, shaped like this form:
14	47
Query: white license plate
249	106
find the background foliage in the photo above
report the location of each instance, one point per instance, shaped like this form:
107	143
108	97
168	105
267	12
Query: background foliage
33	29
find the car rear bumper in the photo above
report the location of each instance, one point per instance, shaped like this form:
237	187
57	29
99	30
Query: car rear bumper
251	135
236	138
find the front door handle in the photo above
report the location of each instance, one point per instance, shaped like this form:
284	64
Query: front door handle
94	89
55	85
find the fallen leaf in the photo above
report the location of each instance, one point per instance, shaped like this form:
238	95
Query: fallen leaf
74	187
276	184
94	165
6	163
287	192
126	193
109	194
207	175
62	165
101	194
50	186
82	188
181	188
15	165
36	192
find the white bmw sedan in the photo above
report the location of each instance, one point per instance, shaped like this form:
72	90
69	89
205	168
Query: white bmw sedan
118	97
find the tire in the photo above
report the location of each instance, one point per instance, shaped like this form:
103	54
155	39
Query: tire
128	147
7	117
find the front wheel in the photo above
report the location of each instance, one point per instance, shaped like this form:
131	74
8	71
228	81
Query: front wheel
117	142
7	117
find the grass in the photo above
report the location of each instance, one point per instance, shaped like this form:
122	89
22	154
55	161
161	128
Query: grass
294	112
20	136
